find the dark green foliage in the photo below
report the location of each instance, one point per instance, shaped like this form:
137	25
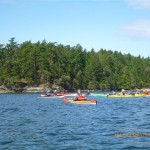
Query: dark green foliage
71	68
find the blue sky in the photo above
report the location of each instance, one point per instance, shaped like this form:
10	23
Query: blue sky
117	25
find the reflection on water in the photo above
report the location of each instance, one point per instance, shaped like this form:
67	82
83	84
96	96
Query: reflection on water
29	123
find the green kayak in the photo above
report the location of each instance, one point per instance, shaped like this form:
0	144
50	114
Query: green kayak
98	94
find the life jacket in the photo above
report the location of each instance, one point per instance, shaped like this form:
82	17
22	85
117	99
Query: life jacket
145	92
81	98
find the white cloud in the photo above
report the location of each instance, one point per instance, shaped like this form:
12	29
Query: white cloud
139	3
139	29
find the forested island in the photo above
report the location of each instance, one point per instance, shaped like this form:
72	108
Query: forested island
51	64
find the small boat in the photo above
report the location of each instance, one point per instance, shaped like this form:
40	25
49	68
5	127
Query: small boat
126	95
79	100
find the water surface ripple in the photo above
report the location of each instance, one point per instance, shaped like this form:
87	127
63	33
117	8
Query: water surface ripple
30	123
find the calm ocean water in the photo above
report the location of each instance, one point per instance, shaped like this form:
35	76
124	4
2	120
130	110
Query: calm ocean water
30	123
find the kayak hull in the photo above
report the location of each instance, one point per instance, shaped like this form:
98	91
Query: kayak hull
74	101
102	95
126	96
57	95
50	96
84	102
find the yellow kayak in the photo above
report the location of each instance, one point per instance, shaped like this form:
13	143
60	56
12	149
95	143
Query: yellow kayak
94	102
75	101
126	95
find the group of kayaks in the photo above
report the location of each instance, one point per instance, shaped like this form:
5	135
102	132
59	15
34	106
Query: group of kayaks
76	99
121	95
71	98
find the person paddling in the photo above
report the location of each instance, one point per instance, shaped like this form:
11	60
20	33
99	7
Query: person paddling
88	92
79	92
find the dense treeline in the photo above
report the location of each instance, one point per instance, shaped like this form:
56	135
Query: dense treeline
70	67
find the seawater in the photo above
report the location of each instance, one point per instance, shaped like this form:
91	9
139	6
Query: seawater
31	123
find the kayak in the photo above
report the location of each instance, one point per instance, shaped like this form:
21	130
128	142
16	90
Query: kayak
79	101
55	96
94	102
70	94
126	95
96	94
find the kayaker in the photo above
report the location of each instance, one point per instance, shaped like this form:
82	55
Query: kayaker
146	92
55	92
122	92
79	92
80	98
47	93
88	92
113	93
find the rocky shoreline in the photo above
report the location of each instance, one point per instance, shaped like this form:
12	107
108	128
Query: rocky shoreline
4	90
39	89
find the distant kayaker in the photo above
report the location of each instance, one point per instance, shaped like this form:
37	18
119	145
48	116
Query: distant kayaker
79	92
55	92
113	92
88	92
122	92
47	93
146	92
